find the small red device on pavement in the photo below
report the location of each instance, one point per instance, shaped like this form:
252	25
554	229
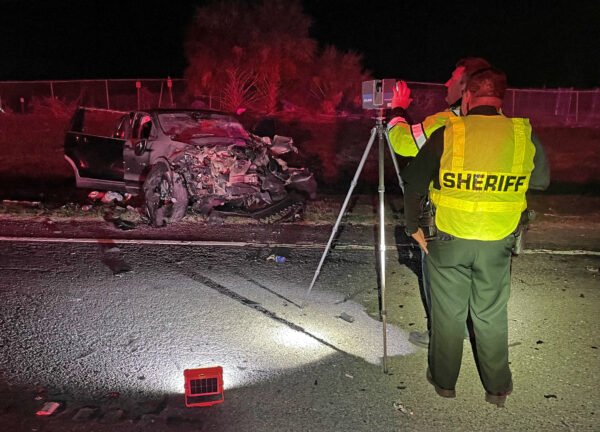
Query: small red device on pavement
203	386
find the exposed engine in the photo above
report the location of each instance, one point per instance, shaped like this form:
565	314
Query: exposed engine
248	176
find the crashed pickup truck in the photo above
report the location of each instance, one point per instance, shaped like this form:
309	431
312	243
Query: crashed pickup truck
199	159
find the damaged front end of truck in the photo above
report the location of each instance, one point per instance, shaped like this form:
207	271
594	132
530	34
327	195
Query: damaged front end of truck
252	179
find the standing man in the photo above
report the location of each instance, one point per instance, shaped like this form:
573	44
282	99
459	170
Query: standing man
407	139
479	168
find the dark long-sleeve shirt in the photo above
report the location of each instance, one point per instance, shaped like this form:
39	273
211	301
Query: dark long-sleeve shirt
425	168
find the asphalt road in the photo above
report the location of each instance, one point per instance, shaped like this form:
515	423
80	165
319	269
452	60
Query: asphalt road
107	329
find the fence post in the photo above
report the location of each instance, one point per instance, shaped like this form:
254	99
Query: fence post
170	87
107	94
577	107
51	90
162	84
512	113
138	86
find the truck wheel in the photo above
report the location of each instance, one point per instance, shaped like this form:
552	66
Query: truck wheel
166	198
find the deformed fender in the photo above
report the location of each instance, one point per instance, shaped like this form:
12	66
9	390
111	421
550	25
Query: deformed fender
164	161
303	180
165	204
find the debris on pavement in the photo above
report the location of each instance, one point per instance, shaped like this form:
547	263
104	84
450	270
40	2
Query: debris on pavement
125	225
593	269
113	258
111	196
85	414
346	317
95	195
277	258
113	416
398	406
123	218
48	409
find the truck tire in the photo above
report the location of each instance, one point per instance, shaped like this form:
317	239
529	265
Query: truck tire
165	196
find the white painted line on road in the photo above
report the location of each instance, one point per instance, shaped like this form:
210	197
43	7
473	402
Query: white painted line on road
560	252
127	241
249	244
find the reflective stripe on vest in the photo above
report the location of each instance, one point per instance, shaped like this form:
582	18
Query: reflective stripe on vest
484	174
407	140
418	134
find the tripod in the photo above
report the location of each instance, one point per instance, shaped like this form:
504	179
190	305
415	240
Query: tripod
380	132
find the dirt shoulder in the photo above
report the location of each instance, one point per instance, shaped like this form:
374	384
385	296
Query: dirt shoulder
565	222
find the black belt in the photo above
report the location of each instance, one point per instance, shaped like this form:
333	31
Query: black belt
442	236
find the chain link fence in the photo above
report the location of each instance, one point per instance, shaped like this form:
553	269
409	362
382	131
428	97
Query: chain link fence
545	107
115	94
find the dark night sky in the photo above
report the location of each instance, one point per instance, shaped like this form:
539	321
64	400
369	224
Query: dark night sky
538	43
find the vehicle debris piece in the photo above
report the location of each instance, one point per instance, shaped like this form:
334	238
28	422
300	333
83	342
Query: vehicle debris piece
95	195
114	259
277	258
48	408
177	160
85	414
123	224
398	406
346	317
110	197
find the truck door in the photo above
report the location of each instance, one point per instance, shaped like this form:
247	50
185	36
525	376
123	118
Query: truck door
136	152
97	160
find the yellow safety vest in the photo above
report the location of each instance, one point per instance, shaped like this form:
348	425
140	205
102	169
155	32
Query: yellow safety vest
407	140
484	174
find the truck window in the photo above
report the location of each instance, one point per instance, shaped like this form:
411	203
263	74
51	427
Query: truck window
142	127
146	128
122	130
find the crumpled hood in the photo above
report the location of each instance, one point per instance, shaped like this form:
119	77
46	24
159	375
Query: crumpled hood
251	172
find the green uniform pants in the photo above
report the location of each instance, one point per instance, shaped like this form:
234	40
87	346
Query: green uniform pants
470	275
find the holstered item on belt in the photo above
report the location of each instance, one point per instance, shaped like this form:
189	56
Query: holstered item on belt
427	221
526	217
